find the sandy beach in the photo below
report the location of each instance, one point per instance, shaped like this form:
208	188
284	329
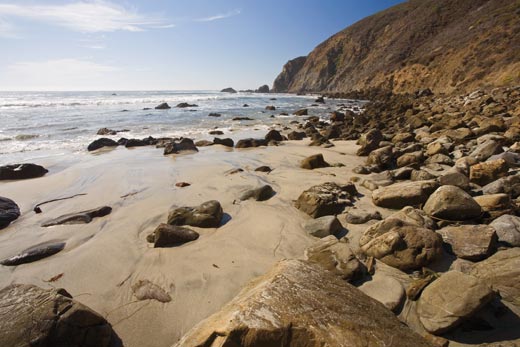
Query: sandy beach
103	259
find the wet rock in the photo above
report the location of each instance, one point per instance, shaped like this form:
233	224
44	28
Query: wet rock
9	211
32	316
246	143
163	106
406	248
274	135
452	203
320	100
82	217
34	253
450	300
216	132
501	271
146	290
262	193
315	161
224	142
296	135
183	145
102	142
270	108
185	104
228	90
357	216
302	112
323	226
507	228
21	171
369	142
206	215
242	118
385	289
106	131
470	242
263	168
166	235
399	195
326	199
203	143
213	114
323	311
487	172
337	257
182	184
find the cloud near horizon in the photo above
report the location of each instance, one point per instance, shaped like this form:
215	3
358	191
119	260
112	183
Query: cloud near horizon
82	16
233	13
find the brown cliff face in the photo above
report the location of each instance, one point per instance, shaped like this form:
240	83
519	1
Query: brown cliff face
445	45
285	78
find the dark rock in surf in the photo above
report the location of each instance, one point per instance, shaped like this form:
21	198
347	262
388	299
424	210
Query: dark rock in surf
21	171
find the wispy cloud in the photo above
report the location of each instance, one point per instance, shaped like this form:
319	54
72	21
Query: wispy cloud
84	16
233	13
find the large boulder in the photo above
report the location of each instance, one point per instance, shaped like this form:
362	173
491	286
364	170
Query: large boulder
507	228
405	248
369	142
325	199
9	211
336	256
274	135
185	144
451	299
315	161
471	242
100	143
403	194
227	142
32	316
298	304
163	106
246	143
21	171
206	215
452	203
501	271
323	226
487	172
166	235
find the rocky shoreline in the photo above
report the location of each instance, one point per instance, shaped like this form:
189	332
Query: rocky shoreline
425	232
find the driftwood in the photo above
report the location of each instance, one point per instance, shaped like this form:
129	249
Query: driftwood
37	208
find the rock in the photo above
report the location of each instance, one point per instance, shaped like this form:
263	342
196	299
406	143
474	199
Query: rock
32	316
245	105
228	90
325	199
82	217
263	89
166	235
182	184
185	105
440	159
487	172
508	185
206	215
405	248
224	142
264	168
242	118
34	253
213	114
146	290
315	161
451	299
486	149
494	202
512	159
216	132
413	159
270	108
470	242
385	289
184	145
106	131
454	178
295	135
9	211
21	171
421	175
399	195
369	142
102	142
336	256
203	143
452	203
274	135
262	193
507	228
163	106
403	138
408	216
302	112
501	271
298	304
136	143
246	143
356	216
320	100
337	117
323	226
381	157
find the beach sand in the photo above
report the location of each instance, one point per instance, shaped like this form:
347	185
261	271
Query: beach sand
103	259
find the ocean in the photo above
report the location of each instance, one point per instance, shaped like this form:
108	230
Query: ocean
42	124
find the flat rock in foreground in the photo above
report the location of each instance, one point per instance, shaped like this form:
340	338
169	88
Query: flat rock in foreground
32	316
297	304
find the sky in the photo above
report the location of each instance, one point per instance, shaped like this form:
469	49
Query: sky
163	44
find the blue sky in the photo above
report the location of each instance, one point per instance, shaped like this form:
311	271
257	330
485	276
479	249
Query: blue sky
163	44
